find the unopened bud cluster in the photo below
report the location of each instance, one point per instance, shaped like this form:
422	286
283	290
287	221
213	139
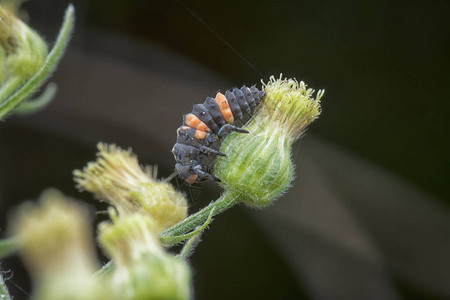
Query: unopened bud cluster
56	242
22	50
258	165
141	207
117	178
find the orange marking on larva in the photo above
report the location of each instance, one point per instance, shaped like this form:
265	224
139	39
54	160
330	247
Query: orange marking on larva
185	127
194	122
224	107
192	178
200	134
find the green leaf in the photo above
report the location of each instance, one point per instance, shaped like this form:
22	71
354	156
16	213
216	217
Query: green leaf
34	105
168	240
169	236
189	246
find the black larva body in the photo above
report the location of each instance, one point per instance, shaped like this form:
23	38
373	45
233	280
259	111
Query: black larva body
203	130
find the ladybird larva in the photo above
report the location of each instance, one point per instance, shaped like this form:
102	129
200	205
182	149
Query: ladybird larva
203	130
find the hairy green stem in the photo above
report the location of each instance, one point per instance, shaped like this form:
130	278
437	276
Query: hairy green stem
45	71
194	224
9	86
225	201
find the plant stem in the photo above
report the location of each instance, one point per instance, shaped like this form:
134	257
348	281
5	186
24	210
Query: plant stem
8	88
225	201
201	218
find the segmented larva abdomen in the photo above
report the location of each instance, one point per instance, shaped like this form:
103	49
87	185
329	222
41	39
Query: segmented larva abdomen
206	126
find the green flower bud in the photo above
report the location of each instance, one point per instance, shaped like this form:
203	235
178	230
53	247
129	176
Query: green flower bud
26	51
142	269
6	20
56	244
117	178
258	166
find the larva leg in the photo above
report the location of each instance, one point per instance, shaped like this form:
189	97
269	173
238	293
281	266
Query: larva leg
202	174
210	150
228	128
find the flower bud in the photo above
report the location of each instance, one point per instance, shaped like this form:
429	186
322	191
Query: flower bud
6	20
258	165
57	247
25	49
142	269
117	178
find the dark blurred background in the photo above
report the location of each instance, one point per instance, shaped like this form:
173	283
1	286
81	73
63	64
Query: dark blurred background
368	217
